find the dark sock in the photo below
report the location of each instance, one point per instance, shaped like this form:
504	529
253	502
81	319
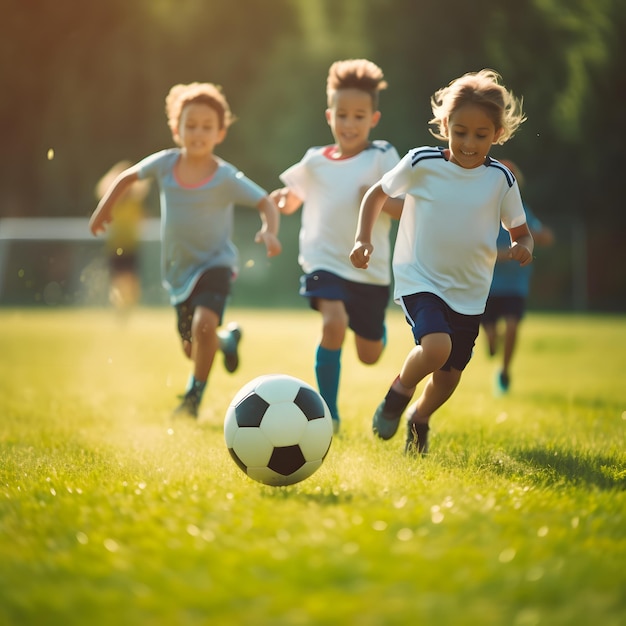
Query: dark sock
396	402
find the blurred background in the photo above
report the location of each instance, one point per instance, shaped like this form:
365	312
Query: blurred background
84	85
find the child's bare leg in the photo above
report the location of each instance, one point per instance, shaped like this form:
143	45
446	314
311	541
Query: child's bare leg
334	323
491	332
328	353
204	342
510	339
367	350
424	359
429	356
438	389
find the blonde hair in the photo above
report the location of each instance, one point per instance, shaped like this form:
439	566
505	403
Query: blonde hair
180	96
355	74
484	89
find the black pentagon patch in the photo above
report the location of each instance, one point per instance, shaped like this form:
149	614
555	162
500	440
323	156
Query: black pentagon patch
237	460
286	460
310	403
250	411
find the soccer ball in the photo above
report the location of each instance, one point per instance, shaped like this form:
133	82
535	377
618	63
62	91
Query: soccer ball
278	429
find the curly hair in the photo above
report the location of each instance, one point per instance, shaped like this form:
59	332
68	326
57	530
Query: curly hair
355	74
485	89
204	93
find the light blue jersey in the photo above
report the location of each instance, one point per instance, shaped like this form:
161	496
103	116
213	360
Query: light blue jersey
196	222
509	278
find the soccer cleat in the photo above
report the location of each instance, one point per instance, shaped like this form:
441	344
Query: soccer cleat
503	382
188	407
229	343
385	423
387	416
336	425
416	439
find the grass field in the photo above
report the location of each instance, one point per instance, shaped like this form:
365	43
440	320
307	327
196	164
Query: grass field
110	513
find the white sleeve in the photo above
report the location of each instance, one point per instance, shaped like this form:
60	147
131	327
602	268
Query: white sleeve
296	177
512	213
397	181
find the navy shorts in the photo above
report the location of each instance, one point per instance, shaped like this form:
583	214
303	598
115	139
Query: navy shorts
211	291
428	313
499	307
365	304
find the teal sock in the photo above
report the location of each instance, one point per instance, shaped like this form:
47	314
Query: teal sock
327	370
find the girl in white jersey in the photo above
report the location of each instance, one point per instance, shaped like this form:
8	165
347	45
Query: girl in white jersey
198	191
330	181
455	200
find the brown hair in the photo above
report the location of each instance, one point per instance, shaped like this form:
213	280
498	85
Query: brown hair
356	74
204	93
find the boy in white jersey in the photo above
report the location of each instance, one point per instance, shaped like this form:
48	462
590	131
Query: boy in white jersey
330	181
456	199
198	191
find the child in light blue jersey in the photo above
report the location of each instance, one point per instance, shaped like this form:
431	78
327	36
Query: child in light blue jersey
198	192
329	183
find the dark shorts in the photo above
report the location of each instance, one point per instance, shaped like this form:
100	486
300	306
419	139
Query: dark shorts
211	291
365	304
121	263
427	313
499	307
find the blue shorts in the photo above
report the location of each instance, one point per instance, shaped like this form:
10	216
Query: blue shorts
499	307
428	313
365	304
211	291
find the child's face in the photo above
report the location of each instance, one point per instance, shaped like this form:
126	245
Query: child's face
199	129
351	117
471	133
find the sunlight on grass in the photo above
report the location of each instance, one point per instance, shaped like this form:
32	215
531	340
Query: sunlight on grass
111	512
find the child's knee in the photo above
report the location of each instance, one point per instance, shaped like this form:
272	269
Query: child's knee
436	349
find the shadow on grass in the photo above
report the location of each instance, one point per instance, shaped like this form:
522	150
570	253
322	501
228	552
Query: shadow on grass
557	466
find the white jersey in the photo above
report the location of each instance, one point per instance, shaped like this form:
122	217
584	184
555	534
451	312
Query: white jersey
331	191
446	242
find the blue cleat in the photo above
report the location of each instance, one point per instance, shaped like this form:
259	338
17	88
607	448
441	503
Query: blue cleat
385	423
229	344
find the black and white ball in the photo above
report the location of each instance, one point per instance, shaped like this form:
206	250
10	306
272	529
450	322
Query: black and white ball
278	429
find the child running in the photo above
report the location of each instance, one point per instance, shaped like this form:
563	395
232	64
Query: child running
509	291
198	191
330	181
445	251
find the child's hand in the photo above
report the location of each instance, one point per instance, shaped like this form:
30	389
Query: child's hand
521	253
272	244
97	224
279	196
360	255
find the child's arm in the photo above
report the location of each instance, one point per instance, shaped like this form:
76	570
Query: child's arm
522	245
393	206
371	206
286	201
270	218
102	214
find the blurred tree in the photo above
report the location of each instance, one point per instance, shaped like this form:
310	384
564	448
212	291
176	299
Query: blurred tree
90	85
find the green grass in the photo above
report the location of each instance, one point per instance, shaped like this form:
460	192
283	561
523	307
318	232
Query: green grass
110	513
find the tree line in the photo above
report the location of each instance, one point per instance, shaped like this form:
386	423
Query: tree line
84	86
